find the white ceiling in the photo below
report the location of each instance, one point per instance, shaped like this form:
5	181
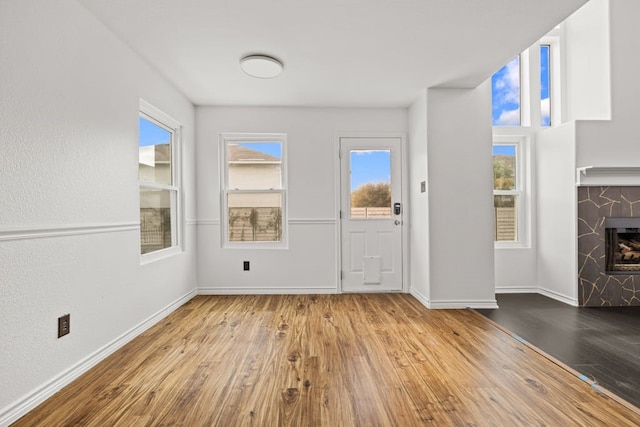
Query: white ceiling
341	53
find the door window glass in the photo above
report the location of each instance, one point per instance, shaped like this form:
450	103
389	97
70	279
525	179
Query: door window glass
370	184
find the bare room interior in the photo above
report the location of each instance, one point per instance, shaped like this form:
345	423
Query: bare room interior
285	213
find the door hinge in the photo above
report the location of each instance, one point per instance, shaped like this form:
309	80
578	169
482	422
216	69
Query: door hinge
341	214
340	274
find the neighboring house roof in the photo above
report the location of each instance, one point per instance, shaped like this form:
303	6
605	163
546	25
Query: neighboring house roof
238	153
163	153
153	155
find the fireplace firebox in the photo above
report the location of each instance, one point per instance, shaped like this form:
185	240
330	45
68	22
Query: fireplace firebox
622	243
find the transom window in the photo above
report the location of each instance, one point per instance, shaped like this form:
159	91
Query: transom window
254	189
545	85
506	94
526	91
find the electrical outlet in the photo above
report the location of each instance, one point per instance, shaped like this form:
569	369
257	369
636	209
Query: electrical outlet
245	266
64	325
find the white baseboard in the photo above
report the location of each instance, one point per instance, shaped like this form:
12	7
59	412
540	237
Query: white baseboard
515	290
421	298
462	304
264	291
452	304
542	291
19	408
558	296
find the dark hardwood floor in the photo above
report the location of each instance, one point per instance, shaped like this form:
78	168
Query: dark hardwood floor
602	344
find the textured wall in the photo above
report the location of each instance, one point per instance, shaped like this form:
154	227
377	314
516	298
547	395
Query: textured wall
69	236
595	287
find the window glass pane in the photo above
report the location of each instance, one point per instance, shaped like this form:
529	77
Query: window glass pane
155	219
504	167
505	90
254	166
370	183
506	219
545	73
154	149
254	217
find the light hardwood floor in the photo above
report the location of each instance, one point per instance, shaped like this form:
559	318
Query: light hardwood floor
327	360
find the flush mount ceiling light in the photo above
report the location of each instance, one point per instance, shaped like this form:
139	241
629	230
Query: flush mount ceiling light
261	66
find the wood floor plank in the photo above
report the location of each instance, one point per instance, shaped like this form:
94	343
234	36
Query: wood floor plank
326	360
600	343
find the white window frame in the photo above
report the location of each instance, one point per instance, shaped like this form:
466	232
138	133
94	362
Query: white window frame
522	190
531	123
530	100
232	138
160	118
552	40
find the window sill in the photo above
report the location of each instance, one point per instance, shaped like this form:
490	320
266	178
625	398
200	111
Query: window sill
160	255
510	245
256	245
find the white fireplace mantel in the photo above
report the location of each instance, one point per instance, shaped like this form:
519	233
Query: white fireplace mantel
607	176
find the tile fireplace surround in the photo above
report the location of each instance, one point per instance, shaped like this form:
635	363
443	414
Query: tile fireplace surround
595	287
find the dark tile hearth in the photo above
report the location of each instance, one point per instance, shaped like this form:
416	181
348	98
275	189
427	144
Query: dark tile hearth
595	286
601	343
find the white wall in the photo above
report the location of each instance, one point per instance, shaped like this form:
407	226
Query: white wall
557	214
309	264
587	63
69	233
459	141
516	270
418	201
615	143
586	95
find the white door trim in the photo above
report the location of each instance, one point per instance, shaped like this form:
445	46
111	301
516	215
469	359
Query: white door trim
406	279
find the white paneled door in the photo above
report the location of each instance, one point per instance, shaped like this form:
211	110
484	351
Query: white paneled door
371	214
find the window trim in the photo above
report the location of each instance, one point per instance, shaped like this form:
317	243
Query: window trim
555	77
530	99
531	124
160	118
525	89
522	190
224	140
550	68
